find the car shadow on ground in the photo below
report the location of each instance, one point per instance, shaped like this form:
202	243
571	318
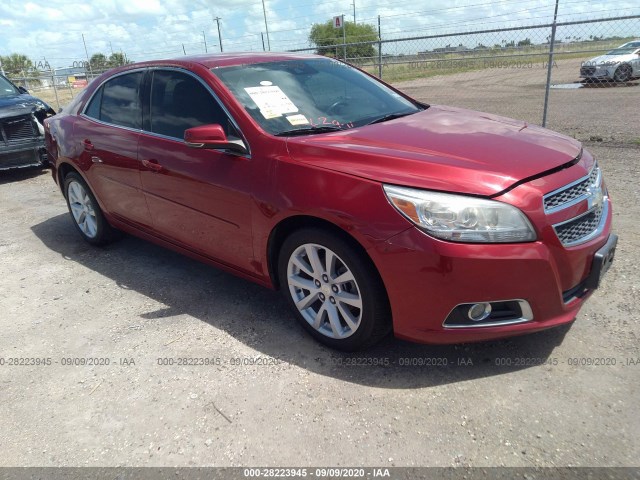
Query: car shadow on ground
19	174
260	318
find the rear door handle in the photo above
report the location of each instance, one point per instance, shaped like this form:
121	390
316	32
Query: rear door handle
152	165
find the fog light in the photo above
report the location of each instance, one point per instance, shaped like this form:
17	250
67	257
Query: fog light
479	311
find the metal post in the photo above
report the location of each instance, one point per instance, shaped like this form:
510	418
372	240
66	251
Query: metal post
344	39
55	90
264	11
354	11
379	50
217	19
86	52
183	50
263	47
205	42
110	47
550	66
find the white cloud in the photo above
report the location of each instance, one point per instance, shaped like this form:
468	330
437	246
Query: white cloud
147	29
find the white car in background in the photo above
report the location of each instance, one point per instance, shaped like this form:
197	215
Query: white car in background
621	64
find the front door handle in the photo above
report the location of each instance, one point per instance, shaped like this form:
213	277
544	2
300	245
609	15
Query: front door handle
88	146
152	165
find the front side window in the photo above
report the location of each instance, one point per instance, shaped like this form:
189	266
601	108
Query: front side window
118	101
302	94
179	101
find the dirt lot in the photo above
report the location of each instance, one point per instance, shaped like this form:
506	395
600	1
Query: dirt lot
270	395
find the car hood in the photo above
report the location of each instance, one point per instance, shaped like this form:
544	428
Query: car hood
611	59
24	104
441	148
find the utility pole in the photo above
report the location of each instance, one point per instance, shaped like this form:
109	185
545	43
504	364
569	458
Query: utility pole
354	11
217	19
86	52
379	49
110	47
183	50
205	42
264	11
263	48
344	40
550	66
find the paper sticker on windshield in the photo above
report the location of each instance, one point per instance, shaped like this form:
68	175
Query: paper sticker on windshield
298	120
271	101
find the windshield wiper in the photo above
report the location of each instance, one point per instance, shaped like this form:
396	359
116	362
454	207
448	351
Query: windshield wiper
309	130
390	116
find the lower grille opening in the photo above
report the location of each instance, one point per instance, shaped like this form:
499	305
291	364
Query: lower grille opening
578	291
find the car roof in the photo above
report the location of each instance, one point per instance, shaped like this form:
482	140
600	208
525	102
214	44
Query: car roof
213	60
635	44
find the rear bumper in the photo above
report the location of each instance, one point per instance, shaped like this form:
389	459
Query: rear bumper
427	278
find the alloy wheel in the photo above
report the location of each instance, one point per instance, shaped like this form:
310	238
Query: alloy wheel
324	291
82	209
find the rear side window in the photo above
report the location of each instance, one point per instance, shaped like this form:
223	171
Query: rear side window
179	102
93	109
118	101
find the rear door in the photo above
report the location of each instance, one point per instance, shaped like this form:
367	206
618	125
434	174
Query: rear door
108	132
200	199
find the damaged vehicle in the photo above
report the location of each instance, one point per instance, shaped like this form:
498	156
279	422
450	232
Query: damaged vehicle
21	127
372	212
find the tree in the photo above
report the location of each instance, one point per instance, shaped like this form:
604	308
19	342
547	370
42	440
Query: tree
327	39
524	43
98	61
18	64
118	59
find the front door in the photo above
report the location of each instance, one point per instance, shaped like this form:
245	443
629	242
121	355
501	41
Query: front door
200	199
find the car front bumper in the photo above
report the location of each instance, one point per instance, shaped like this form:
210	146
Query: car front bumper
22	155
426	279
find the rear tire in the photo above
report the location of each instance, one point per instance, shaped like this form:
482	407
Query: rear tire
85	211
334	290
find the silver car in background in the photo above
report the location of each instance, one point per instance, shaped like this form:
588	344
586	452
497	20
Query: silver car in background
621	64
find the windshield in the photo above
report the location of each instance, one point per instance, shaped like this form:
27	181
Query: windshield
305	94
7	89
623	51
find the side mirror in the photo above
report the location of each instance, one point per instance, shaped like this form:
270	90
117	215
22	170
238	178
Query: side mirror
211	137
23	90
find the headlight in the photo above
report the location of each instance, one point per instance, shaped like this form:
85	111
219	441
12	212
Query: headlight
460	218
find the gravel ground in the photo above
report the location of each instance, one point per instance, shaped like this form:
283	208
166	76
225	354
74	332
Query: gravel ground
270	396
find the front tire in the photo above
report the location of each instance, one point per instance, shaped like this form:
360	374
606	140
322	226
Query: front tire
85	211
622	73
334	290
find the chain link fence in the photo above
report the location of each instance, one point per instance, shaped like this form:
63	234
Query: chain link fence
509	71
516	72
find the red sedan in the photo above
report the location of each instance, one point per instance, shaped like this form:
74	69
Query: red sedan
371	211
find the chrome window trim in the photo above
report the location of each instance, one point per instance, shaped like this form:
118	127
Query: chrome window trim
165	137
576	200
598	230
525	307
215	97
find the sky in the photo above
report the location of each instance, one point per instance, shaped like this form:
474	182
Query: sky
149	29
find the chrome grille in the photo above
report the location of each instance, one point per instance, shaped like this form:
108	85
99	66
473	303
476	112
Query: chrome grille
587	70
573	192
18	128
574	231
587	225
